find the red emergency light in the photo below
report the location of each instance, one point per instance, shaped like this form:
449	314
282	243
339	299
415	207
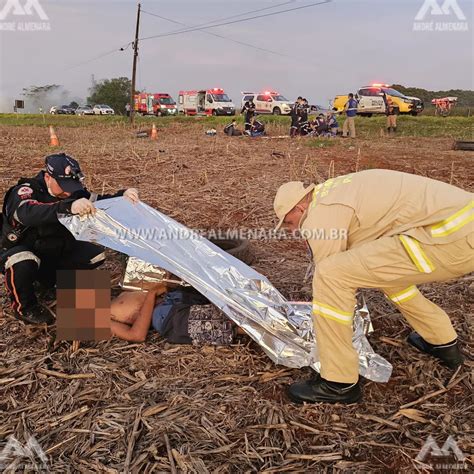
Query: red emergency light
380	85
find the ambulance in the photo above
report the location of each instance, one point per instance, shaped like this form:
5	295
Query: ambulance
205	102
155	104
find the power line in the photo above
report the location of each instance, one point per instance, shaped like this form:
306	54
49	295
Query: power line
223	37
223	18
236	21
125	47
103	55
210	24
95	58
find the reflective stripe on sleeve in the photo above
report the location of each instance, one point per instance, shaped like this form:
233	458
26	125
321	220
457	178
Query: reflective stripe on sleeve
404	295
454	222
329	312
417	254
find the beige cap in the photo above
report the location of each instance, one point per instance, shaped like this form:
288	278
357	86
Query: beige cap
287	197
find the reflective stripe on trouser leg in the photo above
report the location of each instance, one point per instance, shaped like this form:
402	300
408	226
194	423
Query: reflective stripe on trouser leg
21	257
20	272
417	254
454	222
426	318
332	319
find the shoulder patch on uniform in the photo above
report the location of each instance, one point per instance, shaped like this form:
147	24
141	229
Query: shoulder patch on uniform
25	192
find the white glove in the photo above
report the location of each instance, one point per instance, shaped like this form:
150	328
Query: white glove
132	195
83	207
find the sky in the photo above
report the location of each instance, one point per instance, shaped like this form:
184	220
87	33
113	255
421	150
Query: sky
322	51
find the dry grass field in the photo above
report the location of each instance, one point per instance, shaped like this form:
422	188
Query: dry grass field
154	407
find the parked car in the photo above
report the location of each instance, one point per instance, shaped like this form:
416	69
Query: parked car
103	109
268	102
61	109
85	110
318	109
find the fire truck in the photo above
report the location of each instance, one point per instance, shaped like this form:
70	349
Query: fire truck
155	104
205	102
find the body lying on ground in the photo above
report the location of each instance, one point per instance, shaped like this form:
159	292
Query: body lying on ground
181	316
231	129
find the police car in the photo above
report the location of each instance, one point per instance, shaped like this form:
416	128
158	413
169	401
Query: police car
371	101
268	102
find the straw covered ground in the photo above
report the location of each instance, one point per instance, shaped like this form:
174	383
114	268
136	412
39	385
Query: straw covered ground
154	407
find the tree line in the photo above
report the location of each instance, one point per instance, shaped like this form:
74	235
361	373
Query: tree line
465	97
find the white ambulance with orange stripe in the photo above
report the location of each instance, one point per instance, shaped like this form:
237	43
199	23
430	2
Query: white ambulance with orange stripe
205	102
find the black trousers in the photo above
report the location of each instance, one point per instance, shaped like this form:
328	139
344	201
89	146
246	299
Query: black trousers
248	120
22	267
295	126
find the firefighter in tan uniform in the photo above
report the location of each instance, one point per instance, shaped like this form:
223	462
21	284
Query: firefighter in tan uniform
377	229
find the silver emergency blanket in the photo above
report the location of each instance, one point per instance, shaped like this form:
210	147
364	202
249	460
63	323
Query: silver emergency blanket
140	275
283	330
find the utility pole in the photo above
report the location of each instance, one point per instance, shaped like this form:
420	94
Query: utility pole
134	71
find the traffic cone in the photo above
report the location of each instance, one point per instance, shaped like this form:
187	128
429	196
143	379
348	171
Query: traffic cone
54	141
154	133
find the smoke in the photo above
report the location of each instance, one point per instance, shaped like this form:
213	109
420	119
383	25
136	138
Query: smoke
40	98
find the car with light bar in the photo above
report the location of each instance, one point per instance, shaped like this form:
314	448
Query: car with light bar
370	101
268	102
205	102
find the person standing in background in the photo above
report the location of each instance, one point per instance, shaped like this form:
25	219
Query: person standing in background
351	111
391	111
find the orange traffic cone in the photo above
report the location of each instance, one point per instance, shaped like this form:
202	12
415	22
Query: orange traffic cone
54	141
154	133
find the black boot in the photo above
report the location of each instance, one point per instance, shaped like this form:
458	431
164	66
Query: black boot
449	354
389	130
45	294
319	390
36	315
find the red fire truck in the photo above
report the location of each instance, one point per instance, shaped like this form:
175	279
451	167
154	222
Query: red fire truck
155	104
205	102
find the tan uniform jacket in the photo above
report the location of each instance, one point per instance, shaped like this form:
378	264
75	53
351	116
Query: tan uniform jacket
351	210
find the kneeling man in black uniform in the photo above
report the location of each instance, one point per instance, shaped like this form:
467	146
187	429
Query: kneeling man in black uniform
34	244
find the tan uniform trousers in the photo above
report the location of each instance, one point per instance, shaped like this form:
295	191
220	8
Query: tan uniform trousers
391	121
384	264
349	125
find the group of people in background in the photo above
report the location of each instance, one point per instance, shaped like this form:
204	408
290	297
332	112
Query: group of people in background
256	129
252	127
324	125
350	109
299	118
